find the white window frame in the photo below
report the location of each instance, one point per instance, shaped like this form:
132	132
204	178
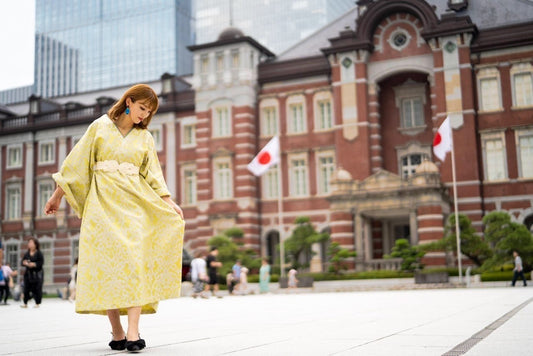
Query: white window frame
519	134
486	74
48	255
491	137
271	127
41	201
221	192
15	165
8	245
53	153
188	122
157	134
409	91
296	184
18	214
412	148
185	180
320	97
324	188
218	130
292	125
520	69
204	68
269	183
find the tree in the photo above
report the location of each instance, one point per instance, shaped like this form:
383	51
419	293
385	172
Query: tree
410	255
472	245
505	237
229	251
337	255
301	241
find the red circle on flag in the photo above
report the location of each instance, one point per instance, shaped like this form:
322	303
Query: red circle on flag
437	139
264	158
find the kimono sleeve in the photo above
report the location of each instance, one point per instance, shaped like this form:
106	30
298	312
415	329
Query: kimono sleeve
76	172
151	171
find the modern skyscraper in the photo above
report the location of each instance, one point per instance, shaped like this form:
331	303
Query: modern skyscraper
94	44
276	24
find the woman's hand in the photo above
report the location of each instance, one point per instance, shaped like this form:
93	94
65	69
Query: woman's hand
173	205
53	203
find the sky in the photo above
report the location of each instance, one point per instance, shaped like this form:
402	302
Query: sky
17	31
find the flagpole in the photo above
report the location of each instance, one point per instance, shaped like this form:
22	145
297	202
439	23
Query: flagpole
280	221
457	231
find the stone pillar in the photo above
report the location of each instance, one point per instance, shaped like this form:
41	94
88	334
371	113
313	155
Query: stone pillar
27	215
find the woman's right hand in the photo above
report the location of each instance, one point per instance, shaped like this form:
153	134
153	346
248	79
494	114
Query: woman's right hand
52	205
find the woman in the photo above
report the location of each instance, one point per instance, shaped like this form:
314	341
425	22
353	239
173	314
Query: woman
72	281
264	276
6	275
33	260
131	235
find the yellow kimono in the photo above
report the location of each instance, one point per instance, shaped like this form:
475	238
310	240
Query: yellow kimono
130	239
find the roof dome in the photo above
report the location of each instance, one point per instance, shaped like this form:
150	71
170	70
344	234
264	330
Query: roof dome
230	33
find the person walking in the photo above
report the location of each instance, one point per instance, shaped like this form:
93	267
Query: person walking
293	281
518	269
33	260
212	266
236	280
72	281
131	234
264	276
6	273
198	275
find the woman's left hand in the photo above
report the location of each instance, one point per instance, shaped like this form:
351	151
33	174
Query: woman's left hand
174	206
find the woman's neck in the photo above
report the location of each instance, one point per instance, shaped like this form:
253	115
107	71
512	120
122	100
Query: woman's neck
32	251
124	123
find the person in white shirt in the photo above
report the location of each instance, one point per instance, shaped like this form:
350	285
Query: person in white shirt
518	269
198	275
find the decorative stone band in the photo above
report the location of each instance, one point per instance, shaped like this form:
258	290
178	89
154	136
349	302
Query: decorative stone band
113	166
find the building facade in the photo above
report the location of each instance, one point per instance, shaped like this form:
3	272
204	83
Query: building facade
356	109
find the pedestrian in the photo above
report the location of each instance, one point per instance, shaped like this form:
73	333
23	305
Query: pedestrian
230	283
198	275
212	266
33	260
6	281
264	276
518	269
293	281
131	235
243	281
72	281
236	270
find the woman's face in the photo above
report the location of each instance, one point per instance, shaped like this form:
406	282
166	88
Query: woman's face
139	110
31	245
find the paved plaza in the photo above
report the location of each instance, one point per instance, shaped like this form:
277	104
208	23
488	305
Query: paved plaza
403	322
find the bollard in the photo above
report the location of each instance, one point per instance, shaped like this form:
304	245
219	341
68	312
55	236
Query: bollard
468	276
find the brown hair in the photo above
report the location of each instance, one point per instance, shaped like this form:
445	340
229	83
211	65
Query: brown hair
35	241
141	92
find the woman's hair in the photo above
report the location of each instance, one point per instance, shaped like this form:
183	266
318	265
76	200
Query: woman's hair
138	92
35	241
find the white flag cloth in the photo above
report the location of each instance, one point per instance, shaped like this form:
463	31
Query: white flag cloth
266	158
442	143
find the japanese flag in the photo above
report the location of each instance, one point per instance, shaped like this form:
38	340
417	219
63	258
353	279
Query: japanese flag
266	158
442	143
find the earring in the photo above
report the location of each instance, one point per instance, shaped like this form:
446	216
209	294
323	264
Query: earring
127	110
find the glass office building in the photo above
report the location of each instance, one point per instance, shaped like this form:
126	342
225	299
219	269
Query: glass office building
83	45
276	24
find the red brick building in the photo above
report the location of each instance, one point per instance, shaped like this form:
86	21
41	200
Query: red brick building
356	106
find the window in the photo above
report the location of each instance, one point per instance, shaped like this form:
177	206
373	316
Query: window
189	185
45	192
326	167
223	180
221	122
235	64
12	256
522	77
296	118
204	68
189	135
525	153
13	202
220	66
14	156
298	177
323	111
489	89
46	152
494	157
410	162
157	135
412	112
269	121
48	265
270	183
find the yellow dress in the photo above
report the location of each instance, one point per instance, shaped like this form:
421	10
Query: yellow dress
130	239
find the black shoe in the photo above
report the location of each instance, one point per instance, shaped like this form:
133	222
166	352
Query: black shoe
137	345
118	344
